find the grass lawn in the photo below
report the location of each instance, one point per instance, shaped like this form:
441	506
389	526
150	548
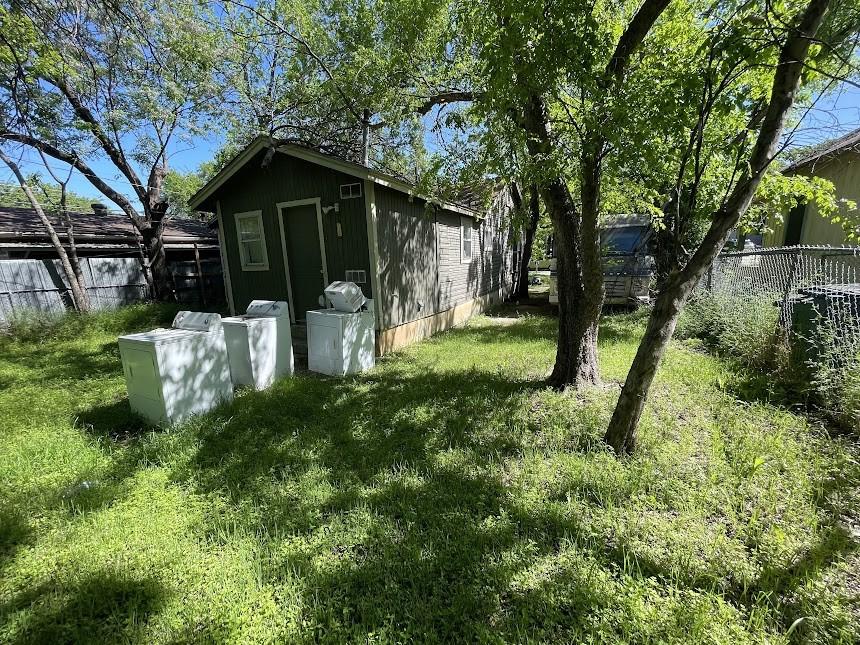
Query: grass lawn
446	495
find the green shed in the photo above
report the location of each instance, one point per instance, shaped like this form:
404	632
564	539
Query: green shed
292	219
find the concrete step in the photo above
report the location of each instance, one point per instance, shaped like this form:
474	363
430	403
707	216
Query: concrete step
299	335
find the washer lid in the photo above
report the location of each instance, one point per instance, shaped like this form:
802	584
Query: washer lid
197	321
334	313
266	308
156	336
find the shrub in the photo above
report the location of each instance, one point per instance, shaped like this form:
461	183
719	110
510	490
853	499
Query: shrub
835	373
743	328
747	329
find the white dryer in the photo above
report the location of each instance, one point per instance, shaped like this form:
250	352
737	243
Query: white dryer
341	342
173	373
259	344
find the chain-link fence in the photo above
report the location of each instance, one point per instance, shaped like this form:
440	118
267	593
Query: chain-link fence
815	289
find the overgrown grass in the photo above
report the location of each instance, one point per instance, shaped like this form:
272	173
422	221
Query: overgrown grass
446	495
789	368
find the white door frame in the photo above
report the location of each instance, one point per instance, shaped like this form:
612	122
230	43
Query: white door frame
225	266
282	206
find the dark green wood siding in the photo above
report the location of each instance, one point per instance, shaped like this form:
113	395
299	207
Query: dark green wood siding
288	179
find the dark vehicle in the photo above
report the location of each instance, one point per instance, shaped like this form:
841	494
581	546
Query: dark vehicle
627	261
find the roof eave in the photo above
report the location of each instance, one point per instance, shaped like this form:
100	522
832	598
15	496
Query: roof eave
354	170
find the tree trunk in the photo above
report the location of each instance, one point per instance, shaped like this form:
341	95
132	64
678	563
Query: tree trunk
84	304
621	434
580	298
576	353
528	243
155	254
666	259
79	298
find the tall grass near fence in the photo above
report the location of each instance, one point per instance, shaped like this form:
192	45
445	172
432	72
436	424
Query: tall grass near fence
792	317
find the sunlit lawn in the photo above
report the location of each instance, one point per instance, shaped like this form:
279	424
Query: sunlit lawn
446	495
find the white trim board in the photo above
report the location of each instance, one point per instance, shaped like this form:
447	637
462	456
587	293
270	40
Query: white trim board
373	248
281	207
225	266
348	168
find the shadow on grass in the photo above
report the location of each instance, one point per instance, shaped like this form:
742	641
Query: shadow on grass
98	609
390	492
15	533
114	420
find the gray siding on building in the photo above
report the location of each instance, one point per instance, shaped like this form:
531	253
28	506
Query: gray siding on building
419	253
408	263
420	273
287	179
491	265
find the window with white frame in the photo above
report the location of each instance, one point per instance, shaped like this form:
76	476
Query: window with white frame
350	191
466	239
252	241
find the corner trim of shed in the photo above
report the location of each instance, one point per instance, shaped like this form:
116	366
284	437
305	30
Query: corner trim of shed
373	248
222	246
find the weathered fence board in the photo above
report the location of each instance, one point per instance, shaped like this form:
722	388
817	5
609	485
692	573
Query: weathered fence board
40	285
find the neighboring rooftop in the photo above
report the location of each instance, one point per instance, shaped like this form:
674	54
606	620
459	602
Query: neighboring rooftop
23	225
828	150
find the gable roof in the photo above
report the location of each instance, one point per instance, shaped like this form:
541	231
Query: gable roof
357	170
828	150
23	224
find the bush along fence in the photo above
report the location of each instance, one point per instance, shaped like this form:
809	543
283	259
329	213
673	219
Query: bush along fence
40	286
805	297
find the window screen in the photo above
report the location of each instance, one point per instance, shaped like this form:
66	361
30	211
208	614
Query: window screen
358	276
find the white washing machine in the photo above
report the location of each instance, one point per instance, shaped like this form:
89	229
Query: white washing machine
341	342
259	344
173	373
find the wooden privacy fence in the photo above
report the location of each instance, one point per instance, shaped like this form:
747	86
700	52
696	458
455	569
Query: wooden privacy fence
41	285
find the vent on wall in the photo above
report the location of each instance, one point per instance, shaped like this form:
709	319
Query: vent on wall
356	275
350	191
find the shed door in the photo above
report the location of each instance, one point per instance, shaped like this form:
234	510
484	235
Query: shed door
304	257
794	225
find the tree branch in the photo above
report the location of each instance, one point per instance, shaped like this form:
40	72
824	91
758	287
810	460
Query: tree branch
633	37
444	98
73	160
116	155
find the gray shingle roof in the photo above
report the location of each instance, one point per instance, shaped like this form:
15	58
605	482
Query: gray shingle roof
828	149
23	224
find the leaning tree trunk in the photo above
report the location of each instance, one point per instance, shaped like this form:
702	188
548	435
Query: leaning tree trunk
79	298
528	243
74	261
621	434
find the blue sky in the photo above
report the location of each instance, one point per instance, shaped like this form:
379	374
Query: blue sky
833	115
